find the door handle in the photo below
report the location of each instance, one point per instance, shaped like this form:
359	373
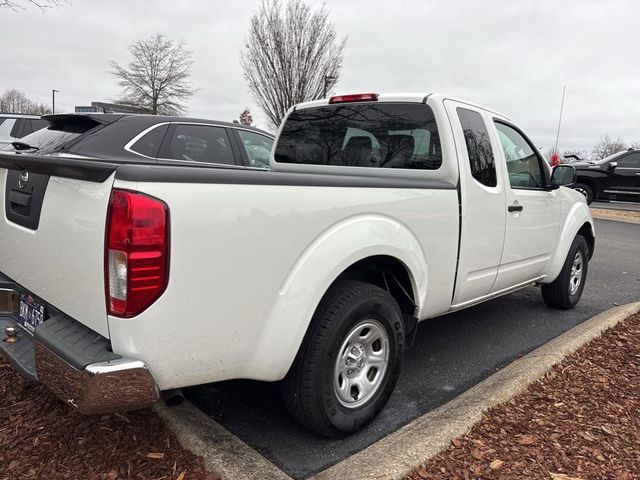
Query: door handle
515	208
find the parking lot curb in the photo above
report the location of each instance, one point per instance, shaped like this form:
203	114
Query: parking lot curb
626	216
397	454
223	452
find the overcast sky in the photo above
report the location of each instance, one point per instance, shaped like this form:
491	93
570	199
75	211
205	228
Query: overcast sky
512	56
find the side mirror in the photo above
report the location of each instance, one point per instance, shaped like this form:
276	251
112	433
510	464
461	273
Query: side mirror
612	165
563	175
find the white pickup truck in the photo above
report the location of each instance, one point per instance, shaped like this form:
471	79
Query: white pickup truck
123	279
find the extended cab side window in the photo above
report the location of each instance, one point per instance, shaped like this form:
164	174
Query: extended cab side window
197	143
523	164
479	150
258	148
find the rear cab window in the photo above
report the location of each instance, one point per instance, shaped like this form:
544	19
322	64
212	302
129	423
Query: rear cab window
375	135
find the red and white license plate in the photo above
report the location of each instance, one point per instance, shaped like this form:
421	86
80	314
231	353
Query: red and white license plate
31	312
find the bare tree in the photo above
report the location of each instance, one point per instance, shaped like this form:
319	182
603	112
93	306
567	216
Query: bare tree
246	118
157	78
292	55
40	109
22	4
15	101
608	146
635	145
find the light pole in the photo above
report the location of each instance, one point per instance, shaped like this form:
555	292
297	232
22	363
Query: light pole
53	100
327	80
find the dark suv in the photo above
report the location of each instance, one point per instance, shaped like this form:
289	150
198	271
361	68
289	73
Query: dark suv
14	126
616	177
148	139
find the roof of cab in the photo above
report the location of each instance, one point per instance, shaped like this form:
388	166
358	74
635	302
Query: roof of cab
404	97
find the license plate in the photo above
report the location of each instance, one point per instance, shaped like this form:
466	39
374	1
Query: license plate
31	312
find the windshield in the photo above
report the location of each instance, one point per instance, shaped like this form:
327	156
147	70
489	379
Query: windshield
55	137
379	135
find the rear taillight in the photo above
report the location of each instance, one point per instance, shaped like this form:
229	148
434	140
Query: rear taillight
136	252
355	97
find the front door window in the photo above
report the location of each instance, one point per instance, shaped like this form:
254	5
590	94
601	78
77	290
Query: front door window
523	164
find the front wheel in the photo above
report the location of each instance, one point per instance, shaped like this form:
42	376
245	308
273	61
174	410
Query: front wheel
349	361
565	291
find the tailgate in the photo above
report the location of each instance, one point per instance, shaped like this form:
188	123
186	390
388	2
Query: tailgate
52	232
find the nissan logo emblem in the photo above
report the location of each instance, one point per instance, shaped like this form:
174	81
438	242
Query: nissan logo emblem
24	179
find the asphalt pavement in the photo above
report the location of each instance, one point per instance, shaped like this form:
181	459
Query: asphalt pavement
450	354
627	206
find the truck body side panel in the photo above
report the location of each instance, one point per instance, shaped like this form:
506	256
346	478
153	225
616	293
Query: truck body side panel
228	305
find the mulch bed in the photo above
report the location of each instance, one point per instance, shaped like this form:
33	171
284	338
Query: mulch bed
581	421
41	438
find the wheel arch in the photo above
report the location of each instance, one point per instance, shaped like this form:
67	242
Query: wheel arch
389	273
586	230
577	221
373	248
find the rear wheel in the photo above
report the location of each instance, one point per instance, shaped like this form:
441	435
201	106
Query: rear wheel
349	361
565	291
586	190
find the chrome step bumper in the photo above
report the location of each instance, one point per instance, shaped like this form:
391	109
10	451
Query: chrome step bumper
73	361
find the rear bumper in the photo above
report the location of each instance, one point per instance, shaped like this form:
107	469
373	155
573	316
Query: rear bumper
99	388
73	361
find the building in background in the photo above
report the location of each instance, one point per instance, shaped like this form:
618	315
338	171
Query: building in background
102	107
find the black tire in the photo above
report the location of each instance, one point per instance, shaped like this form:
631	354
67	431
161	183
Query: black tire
586	190
308	389
558	294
